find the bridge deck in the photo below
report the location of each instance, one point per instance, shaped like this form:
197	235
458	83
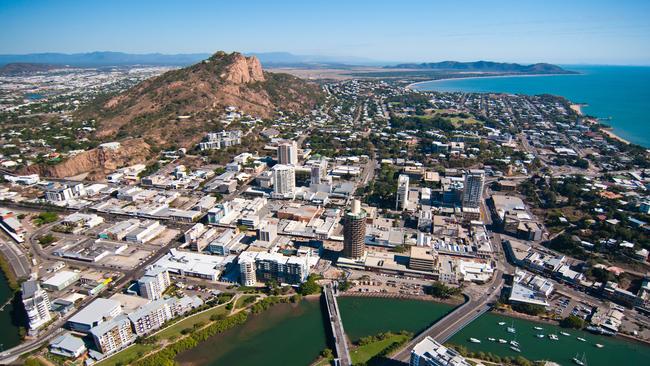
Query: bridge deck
341	344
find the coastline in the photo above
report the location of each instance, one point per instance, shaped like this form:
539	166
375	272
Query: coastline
577	107
410	86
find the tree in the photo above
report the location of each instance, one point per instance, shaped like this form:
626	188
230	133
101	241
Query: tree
572	321
440	290
529	309
309	287
327	353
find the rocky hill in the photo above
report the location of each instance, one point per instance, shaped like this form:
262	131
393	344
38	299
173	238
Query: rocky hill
486	66
151	109
96	162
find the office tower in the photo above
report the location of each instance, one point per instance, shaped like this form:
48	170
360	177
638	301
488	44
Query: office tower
268	231
318	171
284	181
354	231
402	192
473	189
288	153
37	304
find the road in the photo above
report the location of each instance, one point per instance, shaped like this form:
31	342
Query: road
340	340
441	331
16	258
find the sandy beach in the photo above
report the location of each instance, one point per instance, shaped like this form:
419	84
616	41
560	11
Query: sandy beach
577	108
614	136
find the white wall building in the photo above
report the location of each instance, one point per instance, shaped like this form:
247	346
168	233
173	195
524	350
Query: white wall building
402	197
37	304
284	181
154	282
288	153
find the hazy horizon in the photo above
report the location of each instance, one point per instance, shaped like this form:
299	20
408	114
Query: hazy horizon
559	32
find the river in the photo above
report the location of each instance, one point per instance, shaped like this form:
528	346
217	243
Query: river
10	318
294	334
615	350
290	334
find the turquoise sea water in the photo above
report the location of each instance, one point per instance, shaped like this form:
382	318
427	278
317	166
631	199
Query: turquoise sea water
619	92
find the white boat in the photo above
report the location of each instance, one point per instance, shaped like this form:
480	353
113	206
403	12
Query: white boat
599	345
538	328
514	343
565	334
539	335
516	349
491	339
502	323
511	330
553	337
581	339
474	340
580	361
502	341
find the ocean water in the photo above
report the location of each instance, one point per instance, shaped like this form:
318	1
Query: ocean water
620	95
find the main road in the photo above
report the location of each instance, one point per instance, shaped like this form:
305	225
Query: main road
441	331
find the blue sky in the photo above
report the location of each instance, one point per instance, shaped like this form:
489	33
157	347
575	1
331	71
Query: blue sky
565	32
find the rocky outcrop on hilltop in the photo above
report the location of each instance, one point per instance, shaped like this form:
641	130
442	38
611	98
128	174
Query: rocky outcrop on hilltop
96	162
200	93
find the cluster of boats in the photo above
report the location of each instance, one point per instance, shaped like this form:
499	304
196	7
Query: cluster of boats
514	345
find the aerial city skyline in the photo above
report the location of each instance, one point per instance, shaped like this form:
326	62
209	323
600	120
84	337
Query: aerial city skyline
324	183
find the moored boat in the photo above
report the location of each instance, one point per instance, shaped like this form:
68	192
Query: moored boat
516	349
581	339
553	337
474	340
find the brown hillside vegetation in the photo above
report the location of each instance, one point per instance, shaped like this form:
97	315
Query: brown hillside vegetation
97	162
150	110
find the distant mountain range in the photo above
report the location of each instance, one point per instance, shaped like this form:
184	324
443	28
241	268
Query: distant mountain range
105	58
485	66
95	59
19	68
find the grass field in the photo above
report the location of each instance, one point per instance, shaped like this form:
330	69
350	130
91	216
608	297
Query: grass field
363	354
127	356
244	300
190	322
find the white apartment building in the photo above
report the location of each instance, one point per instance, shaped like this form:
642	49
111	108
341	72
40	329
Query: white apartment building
37	304
402	197
154	282
431	353
151	316
113	335
247	269
284	181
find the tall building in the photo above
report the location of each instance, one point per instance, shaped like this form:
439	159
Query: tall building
288	153
402	197
431	353
263	266
37	304
318	171
113	335
247	269
151	316
284	181
154	282
354	231
267	231
473	188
